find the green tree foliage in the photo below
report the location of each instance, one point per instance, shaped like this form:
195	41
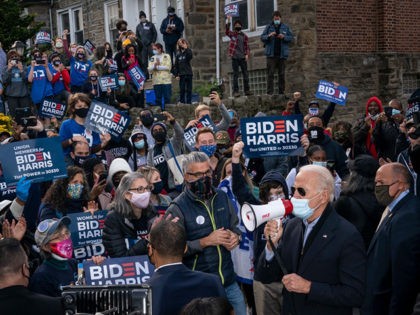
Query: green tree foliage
13	25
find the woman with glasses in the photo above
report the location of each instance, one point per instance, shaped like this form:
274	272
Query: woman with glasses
130	218
157	199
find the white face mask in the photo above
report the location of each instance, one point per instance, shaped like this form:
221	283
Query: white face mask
59	45
140	200
374	117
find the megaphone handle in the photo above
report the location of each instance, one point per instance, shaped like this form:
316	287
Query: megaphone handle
278	258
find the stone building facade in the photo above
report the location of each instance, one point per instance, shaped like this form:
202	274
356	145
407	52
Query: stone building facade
370	46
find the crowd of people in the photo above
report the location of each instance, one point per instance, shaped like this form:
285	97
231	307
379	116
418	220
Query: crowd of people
353	238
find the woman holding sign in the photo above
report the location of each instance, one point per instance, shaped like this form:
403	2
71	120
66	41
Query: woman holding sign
130	218
74	130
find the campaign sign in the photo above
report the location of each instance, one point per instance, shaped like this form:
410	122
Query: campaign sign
43	37
137	76
190	133
232	10
103	118
114	271
332	92
89	46
51	108
88	251
271	135
39	160
85	228
108	81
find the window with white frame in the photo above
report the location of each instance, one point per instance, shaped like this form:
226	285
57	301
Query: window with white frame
111	18
71	19
255	14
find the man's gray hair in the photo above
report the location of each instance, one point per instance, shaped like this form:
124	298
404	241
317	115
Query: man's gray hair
193	157
325	179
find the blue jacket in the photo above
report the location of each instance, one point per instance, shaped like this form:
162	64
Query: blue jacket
269	41
172	38
200	218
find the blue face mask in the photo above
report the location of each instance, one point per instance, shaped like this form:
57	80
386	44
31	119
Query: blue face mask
155	52
395	112
319	163
139	144
277	22
208	149
301	208
121	82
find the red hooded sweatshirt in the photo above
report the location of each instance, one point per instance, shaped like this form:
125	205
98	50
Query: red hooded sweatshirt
369	144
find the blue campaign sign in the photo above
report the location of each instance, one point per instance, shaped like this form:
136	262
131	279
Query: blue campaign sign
190	133
103	118
108	81
232	10
85	228
89	46
137	76
39	160
51	108
332	92
272	135
124	270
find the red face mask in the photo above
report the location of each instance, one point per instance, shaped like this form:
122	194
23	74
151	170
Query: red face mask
63	249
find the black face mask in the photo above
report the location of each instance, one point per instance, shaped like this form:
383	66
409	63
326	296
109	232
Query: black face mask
238	29
81	112
157	187
382	195
80	55
56	63
202	187
316	134
160	136
147	121
79	160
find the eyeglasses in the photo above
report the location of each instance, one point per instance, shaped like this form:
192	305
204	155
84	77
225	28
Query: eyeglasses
300	190
209	172
61	236
141	189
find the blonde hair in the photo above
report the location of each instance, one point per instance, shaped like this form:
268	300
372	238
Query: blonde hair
200	108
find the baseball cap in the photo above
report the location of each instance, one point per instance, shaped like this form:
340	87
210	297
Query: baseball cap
46	229
222	137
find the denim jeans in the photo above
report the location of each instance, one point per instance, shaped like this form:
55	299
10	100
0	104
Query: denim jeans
236	298
163	91
236	64
185	89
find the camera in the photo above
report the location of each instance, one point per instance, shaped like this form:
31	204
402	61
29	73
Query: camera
159	117
14	62
39	61
24	117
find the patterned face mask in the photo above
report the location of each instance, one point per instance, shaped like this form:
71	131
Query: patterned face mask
75	191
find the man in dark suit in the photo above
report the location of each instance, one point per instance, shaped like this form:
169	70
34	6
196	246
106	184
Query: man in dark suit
173	284
322	253
15	298
393	261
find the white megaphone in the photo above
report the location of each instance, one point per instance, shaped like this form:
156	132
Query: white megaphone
255	215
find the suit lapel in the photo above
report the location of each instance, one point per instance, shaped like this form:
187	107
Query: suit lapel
325	235
387	220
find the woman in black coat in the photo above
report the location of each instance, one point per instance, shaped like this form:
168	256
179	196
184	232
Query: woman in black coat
129	221
357	202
